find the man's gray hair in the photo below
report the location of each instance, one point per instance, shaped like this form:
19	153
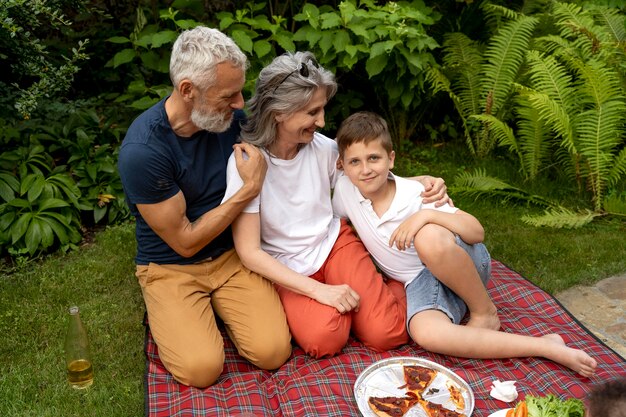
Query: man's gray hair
283	88
197	52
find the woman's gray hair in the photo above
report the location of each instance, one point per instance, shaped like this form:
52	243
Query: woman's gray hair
283	87
197	52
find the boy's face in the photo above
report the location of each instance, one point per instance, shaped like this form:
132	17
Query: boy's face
367	166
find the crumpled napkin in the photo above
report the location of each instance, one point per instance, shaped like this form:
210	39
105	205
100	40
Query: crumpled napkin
504	391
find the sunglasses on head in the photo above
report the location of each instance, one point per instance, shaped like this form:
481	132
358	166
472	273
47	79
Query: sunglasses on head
303	68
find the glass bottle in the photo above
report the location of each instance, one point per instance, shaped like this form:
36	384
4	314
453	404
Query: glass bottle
77	356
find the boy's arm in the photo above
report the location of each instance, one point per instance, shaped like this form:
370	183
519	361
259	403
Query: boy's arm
461	223
247	236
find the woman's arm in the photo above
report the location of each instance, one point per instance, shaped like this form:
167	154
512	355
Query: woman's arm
435	190
463	224
247	236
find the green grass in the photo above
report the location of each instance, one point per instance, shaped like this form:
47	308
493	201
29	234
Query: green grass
33	320
553	259
99	278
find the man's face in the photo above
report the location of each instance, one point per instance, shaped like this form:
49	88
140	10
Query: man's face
213	107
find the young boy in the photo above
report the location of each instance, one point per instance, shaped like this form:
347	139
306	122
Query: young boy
400	231
608	399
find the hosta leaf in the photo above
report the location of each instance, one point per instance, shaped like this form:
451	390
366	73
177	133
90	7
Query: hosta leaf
47	235
36	188
6	192
64	221
60	230
20	226
33	237
19	202
27	182
98	213
6	219
92	171
52	203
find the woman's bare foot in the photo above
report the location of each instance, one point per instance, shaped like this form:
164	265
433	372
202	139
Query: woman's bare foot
575	359
489	321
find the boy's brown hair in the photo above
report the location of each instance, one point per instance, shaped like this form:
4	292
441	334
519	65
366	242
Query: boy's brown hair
608	399
363	126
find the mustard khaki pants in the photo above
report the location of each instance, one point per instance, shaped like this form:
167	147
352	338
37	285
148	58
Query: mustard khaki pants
182	302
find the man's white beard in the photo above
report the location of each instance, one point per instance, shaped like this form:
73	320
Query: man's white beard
212	122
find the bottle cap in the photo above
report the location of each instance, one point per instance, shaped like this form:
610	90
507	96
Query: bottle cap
74	310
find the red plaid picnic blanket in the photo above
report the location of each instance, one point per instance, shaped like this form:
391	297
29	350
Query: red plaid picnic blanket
306	387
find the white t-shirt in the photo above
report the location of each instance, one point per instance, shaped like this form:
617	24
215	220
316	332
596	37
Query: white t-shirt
375	231
297	223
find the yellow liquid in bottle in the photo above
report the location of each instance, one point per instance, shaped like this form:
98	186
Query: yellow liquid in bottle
80	373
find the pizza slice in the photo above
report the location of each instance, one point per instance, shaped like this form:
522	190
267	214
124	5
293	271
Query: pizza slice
455	395
438	410
418	378
392	406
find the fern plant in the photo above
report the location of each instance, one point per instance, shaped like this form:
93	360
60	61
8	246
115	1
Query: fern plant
568	106
575	88
480	82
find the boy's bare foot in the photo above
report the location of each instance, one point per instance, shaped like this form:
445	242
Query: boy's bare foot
575	359
489	321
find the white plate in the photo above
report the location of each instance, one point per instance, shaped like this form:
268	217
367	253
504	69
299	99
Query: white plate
499	413
383	378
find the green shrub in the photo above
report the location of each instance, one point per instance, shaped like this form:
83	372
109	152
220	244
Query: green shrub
57	177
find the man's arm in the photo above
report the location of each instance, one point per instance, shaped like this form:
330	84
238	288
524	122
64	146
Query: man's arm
169	219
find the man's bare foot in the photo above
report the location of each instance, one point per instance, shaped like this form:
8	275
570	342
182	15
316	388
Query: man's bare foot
489	321
575	359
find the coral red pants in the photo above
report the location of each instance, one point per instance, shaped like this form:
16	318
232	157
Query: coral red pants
380	322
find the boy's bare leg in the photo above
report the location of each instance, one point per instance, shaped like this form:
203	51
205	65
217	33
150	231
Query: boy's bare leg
433	330
437	248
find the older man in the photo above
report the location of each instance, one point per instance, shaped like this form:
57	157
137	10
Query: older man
173	168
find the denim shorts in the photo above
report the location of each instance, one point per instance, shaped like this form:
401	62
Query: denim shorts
426	292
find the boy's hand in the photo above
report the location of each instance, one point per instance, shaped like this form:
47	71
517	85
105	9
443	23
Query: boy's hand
435	191
404	234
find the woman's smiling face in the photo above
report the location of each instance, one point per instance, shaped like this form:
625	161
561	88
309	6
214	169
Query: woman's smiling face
298	127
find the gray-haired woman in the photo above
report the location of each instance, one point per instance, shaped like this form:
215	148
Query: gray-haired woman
325	278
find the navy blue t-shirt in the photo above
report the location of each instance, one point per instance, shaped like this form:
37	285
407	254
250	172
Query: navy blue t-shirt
155	164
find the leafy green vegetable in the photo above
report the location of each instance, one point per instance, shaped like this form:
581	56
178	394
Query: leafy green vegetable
552	406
